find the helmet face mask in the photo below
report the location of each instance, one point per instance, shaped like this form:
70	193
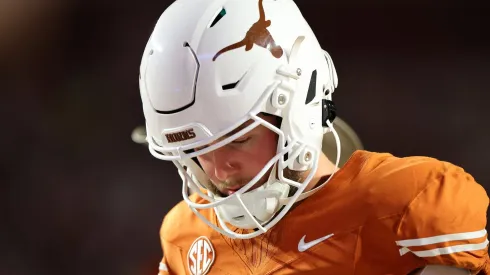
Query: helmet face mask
233	165
205	86
256	203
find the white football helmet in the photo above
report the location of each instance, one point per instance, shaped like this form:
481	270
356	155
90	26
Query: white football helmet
212	65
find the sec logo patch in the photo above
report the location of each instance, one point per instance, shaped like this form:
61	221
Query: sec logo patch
200	256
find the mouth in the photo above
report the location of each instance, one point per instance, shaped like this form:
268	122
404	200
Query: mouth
233	189
230	190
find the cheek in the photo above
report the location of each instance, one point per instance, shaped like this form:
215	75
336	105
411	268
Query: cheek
205	164
263	152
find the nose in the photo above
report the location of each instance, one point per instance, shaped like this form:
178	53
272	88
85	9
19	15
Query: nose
224	166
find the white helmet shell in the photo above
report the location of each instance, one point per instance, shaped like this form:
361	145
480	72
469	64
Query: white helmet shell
211	65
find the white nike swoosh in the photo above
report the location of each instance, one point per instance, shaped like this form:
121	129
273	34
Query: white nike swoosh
302	246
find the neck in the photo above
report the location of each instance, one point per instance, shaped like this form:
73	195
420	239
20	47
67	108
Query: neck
325	169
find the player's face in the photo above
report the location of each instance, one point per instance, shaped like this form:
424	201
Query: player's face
237	163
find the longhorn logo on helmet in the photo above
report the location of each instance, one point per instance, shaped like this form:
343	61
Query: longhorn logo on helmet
257	34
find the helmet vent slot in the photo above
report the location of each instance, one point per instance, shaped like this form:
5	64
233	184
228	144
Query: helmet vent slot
230	86
218	17
312	88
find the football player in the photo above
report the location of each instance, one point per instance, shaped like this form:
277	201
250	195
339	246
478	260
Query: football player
238	95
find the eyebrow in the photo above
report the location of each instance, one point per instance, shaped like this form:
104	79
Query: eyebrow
239	128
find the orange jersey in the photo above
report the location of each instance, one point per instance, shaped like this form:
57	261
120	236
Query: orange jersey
378	215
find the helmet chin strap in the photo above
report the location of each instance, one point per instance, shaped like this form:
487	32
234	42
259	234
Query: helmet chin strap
337	161
258	205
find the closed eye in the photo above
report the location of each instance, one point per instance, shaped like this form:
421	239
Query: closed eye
236	141
242	140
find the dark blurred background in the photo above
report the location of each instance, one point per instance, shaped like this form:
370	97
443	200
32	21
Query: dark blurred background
79	197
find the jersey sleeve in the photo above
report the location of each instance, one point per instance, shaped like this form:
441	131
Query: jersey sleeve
163	268
445	224
172	261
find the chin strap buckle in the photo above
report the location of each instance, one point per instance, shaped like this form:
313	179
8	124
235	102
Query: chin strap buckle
329	112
